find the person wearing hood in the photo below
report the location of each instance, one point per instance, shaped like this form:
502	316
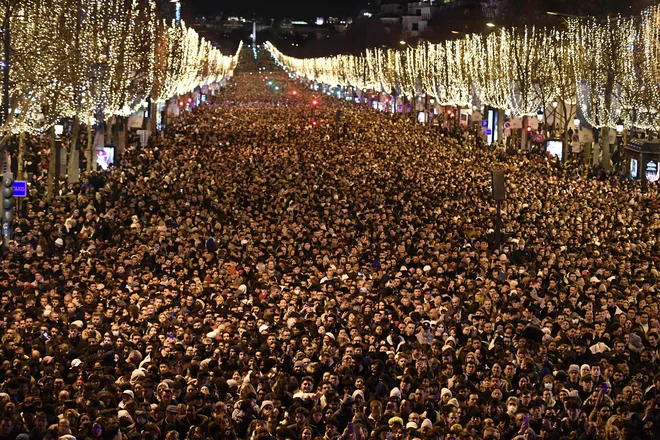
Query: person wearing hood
345	413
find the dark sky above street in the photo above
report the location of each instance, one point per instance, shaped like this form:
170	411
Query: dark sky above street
276	8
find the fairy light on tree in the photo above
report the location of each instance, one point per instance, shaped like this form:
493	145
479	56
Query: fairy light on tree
606	67
640	88
600	65
560	61
73	58
489	67
403	62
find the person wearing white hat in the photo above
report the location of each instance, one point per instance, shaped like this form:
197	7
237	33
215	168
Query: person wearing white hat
126	396
136	375
358	394
445	395
267	407
585	369
411	425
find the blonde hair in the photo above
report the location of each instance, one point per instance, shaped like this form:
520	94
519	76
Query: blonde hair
246	389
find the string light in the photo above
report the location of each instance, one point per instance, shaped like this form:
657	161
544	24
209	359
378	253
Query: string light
640	85
602	47
607	67
74	57
188	61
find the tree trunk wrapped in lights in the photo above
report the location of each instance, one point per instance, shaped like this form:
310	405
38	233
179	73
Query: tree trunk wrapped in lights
91	59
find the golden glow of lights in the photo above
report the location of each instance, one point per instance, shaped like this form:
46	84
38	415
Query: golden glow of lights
606	67
72	57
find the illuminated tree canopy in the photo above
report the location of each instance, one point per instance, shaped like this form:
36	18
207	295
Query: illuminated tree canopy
71	57
607	66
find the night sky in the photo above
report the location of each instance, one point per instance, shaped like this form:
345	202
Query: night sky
297	9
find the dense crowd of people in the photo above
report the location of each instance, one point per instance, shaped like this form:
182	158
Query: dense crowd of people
251	274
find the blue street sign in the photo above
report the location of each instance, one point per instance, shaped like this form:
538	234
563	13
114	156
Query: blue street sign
20	188
484	123
489	132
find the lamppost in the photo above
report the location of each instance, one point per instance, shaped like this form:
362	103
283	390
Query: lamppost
58	129
315	103
432	110
561	14
98	72
540	116
394	96
622	134
7	205
177	10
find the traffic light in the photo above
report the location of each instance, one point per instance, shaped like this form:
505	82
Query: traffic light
315	103
7	200
529	129
314	123
294	93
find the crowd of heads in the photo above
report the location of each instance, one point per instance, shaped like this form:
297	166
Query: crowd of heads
259	272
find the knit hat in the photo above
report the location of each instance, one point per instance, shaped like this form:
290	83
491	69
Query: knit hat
136	375
635	342
358	393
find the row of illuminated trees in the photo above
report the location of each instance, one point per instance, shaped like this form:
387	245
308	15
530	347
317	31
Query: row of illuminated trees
92	59
607	69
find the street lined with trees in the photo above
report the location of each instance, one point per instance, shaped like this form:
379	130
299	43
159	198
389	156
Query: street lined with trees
90	60
601	70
